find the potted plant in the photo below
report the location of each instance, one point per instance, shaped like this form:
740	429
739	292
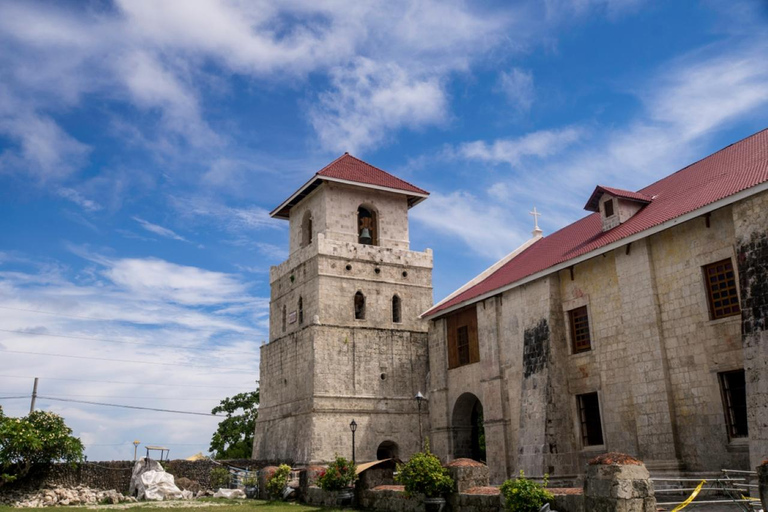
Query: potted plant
338	477
424	474
278	481
525	495
251	483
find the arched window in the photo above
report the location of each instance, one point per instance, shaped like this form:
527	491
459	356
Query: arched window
301	310
306	229
359	306
367	232
396	306
285	314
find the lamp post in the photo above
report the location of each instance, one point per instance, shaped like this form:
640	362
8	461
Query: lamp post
136	444
420	398
353	427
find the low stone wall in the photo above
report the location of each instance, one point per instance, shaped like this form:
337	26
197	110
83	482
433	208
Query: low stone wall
468	473
471	502
117	474
389	499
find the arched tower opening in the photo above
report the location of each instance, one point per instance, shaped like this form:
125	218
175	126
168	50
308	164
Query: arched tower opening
367	226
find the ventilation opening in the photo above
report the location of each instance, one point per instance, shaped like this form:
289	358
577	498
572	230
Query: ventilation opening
359	306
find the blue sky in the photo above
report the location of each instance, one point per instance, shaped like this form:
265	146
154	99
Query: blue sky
142	145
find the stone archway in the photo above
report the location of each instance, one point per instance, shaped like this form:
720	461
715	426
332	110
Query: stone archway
467	428
387	450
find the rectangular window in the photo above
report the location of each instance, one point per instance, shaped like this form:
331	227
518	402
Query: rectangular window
589	414
721	289
463	347
733	388
580	329
608	205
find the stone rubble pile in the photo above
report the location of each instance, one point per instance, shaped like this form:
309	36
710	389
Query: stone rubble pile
54	496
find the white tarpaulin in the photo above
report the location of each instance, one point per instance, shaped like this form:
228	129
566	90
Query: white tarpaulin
150	482
229	493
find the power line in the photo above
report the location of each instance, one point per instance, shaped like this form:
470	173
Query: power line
41	397
103	340
230	370
79	317
138	397
12	397
128	383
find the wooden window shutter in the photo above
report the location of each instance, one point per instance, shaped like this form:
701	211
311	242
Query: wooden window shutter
453	348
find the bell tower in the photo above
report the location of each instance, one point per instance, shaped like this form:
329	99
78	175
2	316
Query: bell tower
345	338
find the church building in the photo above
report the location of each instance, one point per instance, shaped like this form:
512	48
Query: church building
641	328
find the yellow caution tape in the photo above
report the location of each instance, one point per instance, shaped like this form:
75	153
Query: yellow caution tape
690	498
749	498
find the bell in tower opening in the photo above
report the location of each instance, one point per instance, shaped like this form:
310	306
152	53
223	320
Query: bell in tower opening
366	226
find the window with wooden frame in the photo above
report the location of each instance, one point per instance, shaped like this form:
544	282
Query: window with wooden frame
734	391
608	207
463	347
722	294
580	338
589	416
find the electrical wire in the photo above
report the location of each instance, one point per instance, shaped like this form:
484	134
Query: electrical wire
228	370
41	397
128	383
139	343
138	397
13	397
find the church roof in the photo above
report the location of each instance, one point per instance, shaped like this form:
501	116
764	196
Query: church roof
731	174
351	170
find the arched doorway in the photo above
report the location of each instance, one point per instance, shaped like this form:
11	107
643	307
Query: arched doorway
467	428
387	450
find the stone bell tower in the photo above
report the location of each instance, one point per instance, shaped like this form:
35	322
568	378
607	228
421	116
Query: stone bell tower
345	338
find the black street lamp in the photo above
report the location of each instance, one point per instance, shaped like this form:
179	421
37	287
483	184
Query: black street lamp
420	398
353	427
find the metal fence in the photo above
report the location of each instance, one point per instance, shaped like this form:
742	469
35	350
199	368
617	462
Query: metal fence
730	490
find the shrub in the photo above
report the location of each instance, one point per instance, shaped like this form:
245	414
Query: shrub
424	474
220	478
523	495
278	481
251	480
41	437
339	475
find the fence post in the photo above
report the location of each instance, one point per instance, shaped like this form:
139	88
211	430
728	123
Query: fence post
618	482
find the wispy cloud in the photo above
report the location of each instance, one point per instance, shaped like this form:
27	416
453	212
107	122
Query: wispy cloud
517	85
539	144
159	230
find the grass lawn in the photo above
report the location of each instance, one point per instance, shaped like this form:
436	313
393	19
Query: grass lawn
218	505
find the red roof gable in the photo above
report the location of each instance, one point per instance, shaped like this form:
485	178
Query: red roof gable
348	169
736	168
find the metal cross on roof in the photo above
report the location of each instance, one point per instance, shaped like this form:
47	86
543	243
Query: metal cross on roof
536	230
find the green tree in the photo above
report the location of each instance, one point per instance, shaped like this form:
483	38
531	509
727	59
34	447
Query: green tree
41	437
234	437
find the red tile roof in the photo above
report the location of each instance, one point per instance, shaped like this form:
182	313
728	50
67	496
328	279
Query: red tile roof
593	205
349	168
731	170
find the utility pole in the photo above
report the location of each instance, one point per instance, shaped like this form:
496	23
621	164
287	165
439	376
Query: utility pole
34	397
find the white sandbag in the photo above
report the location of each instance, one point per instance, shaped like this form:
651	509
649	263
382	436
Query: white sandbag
159	486
137	488
229	493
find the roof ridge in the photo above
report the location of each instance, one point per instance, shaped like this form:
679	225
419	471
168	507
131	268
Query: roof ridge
705	158
378	169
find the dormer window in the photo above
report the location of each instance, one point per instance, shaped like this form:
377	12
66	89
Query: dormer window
616	206
608	207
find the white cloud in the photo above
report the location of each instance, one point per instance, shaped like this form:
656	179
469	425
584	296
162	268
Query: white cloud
152	277
369	100
77	198
517	86
159	230
539	144
488	230
161	312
